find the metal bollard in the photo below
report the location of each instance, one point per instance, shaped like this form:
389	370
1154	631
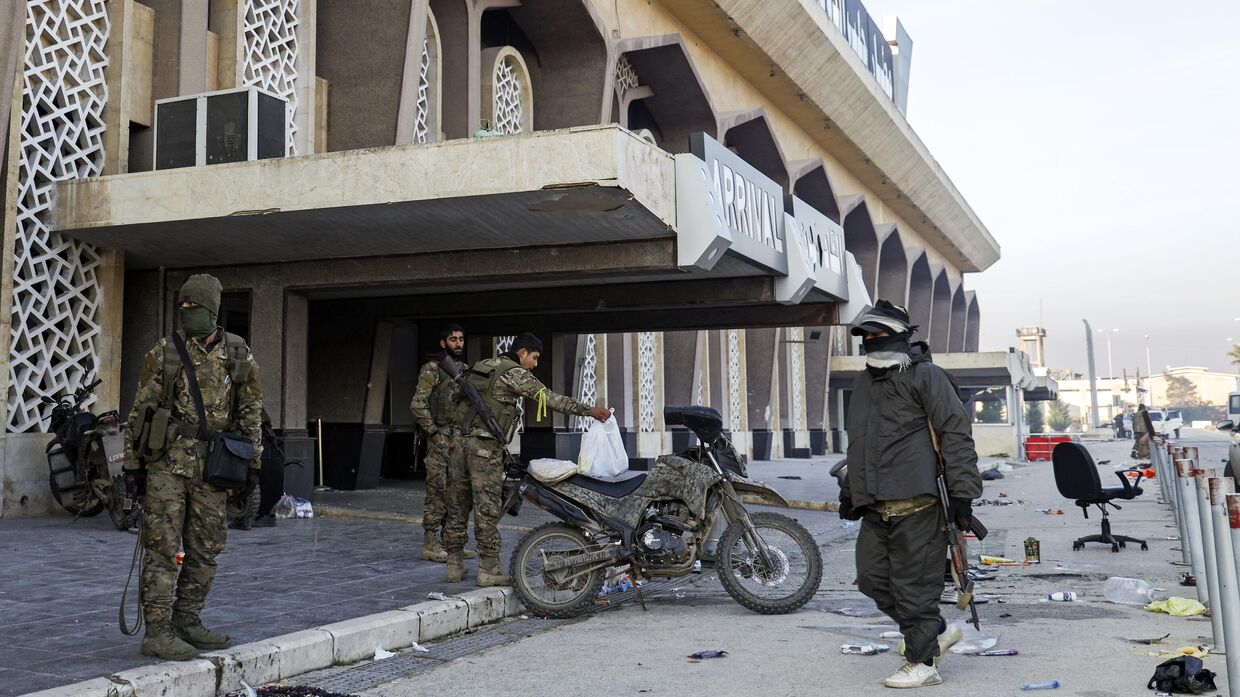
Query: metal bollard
1191	538
1203	477
1164	473
1228	591
1177	505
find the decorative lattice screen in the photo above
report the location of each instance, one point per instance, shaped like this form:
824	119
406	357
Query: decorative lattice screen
734	379
646	380
56	292
587	392
421	119
270	52
507	97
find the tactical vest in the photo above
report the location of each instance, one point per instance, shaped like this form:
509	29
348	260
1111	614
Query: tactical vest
483	376
444	401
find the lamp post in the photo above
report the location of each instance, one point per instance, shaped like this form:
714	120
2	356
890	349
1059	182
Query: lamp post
1149	371
1110	369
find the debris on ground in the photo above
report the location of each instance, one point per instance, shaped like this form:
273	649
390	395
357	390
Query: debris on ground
789	476
1061	596
436	596
1177	607
1182	675
418	647
1048	685
289	691
1151	641
381	654
973	641
864	649
1187	579
713	653
999	652
995	502
1200	651
891	635
992	474
1051	511
848	525
858	611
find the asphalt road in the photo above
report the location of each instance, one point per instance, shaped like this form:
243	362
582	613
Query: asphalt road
1084	644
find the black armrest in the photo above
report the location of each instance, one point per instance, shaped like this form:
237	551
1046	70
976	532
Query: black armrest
1131	489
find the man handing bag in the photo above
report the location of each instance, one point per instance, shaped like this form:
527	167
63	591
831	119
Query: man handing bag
602	451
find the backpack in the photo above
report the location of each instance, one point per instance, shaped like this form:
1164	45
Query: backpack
1182	675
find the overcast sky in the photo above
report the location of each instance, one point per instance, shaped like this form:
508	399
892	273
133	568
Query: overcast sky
1098	141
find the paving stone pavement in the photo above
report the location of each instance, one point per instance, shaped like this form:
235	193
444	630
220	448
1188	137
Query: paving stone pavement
61	582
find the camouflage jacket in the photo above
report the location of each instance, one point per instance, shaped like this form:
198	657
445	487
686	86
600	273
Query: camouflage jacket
217	389
434	418
519	382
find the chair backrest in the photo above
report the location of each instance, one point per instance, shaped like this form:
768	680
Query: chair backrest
1076	476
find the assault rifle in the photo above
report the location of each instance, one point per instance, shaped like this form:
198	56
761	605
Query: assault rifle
510	495
955	539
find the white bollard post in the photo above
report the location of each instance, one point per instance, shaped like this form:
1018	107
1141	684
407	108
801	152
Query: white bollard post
1177	504
1192	527
1228	592
1203	477
1163	472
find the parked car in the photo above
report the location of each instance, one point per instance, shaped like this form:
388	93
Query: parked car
1167	422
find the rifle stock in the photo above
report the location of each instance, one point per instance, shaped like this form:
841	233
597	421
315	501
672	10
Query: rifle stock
955	538
477	406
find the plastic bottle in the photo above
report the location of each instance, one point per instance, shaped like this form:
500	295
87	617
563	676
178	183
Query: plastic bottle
1051	685
1062	596
1127	591
999	652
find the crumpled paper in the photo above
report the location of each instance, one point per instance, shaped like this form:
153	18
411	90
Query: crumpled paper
1177	607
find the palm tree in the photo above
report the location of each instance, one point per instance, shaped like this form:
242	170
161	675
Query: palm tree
1234	355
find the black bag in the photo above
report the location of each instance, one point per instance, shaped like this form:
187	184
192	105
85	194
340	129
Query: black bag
1182	675
228	458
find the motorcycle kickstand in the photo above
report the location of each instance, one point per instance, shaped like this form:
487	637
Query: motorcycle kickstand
641	599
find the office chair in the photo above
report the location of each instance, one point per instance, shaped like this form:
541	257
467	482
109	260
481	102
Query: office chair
1076	477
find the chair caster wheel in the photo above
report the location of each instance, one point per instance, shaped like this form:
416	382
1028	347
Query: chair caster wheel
1145	547
1076	546
1115	549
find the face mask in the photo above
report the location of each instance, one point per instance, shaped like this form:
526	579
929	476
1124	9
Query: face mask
197	322
895	342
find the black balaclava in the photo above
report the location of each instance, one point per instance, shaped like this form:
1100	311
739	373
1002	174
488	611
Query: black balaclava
203	290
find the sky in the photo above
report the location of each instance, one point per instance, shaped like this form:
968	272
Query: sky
1099	142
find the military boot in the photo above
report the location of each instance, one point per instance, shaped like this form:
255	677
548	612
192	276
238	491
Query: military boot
456	567
162	642
432	547
189	627
490	574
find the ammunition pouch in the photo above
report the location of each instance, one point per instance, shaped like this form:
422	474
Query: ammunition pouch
154	434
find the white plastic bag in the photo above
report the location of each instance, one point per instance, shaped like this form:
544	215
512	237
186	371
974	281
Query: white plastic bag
550	470
602	450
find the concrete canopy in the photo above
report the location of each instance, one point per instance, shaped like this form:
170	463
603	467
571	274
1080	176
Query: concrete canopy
892	268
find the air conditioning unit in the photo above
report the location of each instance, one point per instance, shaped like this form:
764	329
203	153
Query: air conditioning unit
235	125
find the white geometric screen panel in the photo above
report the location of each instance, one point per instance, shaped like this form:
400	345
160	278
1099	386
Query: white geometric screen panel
734	379
646	380
626	76
269	38
795	375
507	97
587	392
421	119
56	292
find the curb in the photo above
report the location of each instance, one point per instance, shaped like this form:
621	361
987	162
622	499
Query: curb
328	511
283	657
797	504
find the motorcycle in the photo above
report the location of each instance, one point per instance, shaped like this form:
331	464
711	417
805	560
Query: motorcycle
660	524
84	459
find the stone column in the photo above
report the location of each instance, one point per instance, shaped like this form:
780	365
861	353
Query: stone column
762	385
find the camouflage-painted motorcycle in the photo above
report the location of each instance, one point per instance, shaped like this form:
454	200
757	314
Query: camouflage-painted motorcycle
659	524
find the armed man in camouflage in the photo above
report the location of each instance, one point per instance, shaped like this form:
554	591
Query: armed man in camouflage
434	407
475	468
180	509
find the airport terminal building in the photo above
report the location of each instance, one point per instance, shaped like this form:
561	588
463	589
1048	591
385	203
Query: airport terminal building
683	198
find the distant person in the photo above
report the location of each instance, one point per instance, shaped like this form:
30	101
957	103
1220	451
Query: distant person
1142	427
1119	425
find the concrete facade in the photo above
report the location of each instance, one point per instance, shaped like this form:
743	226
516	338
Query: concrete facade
568	219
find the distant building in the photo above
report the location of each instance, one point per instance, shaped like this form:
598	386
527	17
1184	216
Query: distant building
1120	394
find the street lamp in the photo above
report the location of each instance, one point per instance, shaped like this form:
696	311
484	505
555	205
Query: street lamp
1149	371
1110	369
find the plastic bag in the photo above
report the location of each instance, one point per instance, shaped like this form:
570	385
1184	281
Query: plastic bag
1177	607
285	508
302	509
550	470
1183	675
602	450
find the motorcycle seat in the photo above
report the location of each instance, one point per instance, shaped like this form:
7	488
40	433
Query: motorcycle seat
615	488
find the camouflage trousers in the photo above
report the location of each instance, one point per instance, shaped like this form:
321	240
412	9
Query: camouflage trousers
435	509
475	481
179	512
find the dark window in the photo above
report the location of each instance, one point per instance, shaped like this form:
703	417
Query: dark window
235	313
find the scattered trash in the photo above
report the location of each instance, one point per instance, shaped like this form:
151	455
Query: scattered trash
285	508
859	611
436	596
1062	596
288	691
618	584
303	509
1194	651
1184	675
848	525
381	654
1150	641
973	641
247	690
1177	607
1172	537
999	652
1051	511
991	560
1127	591
995	502
524	617
1003	494
1033	550
864	649
1005	615
891	635
978	575
1187	579
418	647
992	474
1049	685
708	654
789	476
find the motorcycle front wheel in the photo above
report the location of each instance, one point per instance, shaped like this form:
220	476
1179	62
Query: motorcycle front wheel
554	594
786	580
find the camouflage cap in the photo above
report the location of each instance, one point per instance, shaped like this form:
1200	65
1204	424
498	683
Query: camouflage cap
202	289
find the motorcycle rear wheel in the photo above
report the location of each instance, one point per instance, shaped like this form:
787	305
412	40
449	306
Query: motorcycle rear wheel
538	592
79	501
796	557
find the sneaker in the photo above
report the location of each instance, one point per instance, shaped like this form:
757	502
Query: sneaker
947	639
950	596
914	675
